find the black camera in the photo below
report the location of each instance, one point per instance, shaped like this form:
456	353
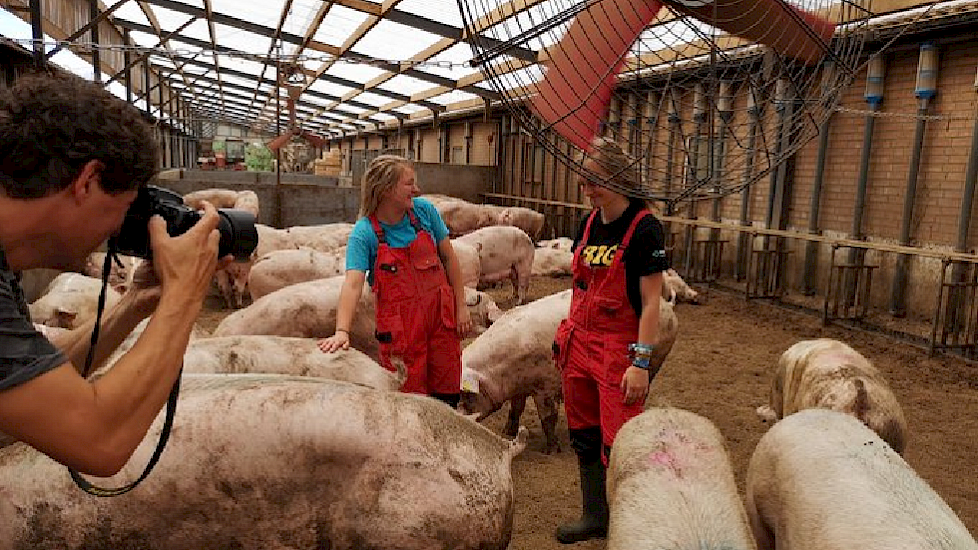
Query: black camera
239	237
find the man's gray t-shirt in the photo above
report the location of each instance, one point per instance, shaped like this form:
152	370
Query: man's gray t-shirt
24	352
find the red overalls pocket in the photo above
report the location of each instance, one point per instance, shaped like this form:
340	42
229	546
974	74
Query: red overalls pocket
390	334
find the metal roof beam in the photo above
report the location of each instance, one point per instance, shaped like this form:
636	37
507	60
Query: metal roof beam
241	24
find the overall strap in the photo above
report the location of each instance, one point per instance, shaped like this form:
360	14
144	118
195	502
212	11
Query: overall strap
378	230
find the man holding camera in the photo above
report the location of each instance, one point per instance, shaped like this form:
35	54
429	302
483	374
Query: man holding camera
72	159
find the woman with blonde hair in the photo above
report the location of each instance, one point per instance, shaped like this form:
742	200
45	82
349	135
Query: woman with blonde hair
604	347
400	245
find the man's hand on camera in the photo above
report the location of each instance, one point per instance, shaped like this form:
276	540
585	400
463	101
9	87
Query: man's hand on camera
185	264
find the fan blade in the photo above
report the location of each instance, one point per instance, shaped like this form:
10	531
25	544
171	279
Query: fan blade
581	70
313	139
291	105
789	31
280	141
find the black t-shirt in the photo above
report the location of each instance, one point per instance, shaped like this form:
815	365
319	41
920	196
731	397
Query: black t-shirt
646	253
24	352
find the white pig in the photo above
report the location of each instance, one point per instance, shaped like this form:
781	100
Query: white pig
821	479
529	220
462	217
828	374
504	253
263	462
324	238
232	281
281	268
248	201
552	262
253	354
675	289
671	485
308	310
468	262
560	243
513	360
219	198
70	300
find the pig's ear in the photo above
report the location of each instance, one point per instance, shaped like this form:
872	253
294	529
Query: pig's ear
65	319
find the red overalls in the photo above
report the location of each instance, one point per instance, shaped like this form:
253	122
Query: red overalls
591	345
416	313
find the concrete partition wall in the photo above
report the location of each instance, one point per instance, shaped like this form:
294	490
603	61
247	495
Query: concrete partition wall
300	199
457	180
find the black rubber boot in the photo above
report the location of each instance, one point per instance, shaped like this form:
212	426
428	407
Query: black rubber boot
450	399
594	502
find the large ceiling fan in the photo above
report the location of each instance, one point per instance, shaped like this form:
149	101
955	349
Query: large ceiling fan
293	80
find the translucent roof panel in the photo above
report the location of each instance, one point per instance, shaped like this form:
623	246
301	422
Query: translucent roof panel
406	85
170	20
409	109
454	96
240	40
198	29
301	14
356	72
247	66
394	42
130	11
265	13
338	24
330	88
372	99
436	10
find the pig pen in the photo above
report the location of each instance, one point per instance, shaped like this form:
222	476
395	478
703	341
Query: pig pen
721	367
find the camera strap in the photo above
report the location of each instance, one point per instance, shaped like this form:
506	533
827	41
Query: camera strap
171	403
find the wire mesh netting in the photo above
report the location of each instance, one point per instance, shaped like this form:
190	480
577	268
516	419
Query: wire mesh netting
707	97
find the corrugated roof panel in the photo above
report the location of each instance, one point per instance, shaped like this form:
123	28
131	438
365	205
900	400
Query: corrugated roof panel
301	15
265	12
406	85
394	42
130	11
198	29
454	96
247	66
354	71
373	99
409	109
168	19
338	24
240	40
437	10
329	88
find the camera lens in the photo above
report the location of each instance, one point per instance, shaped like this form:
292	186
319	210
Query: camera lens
239	237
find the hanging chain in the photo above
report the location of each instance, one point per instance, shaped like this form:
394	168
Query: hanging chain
89	47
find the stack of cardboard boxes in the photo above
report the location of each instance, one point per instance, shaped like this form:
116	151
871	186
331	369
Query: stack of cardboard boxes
329	164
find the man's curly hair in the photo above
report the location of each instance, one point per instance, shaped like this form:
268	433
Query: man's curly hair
52	125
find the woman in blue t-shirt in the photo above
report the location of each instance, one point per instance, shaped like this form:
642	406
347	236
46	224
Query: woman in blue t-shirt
401	241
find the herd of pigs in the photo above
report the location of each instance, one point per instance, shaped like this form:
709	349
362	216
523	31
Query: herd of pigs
277	445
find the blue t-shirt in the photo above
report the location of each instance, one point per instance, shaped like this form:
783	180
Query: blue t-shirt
361	250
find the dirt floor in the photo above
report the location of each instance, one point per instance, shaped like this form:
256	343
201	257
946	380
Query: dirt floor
720	368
